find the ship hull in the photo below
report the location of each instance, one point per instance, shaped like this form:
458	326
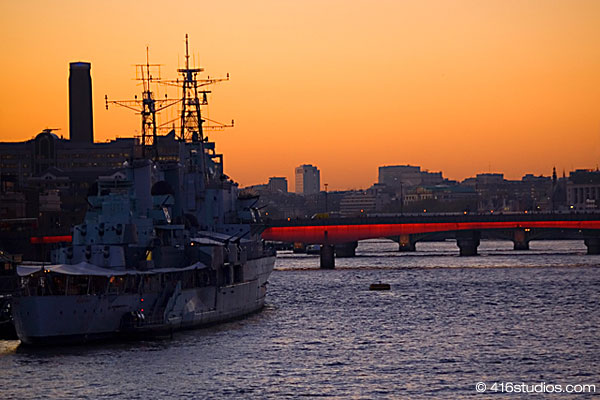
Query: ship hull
84	318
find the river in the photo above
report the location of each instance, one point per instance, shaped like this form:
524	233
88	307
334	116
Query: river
515	321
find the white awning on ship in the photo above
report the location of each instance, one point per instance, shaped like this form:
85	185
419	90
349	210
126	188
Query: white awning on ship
219	237
85	268
206	241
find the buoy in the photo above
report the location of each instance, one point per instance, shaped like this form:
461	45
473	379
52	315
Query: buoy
379	286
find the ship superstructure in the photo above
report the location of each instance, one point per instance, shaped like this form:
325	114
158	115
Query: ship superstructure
165	244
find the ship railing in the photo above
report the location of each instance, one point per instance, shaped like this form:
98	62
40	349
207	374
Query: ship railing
154	319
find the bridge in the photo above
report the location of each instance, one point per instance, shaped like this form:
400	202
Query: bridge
340	236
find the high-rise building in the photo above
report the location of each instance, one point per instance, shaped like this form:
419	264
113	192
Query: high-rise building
308	179
278	184
81	124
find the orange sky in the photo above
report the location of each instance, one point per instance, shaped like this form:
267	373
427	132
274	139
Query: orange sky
457	86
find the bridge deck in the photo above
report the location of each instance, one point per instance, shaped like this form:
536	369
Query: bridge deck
344	230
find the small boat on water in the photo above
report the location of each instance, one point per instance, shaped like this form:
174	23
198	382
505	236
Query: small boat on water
379	286
313	249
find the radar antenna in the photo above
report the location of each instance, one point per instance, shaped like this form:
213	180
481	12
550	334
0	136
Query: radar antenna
191	122
148	106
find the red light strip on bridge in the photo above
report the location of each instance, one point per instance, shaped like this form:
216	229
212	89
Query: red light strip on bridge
50	239
350	233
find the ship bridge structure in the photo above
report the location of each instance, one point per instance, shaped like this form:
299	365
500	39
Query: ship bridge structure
340	236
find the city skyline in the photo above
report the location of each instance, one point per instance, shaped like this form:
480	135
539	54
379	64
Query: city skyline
290	179
462	88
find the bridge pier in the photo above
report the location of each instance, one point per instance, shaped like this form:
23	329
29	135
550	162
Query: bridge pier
406	243
593	245
467	242
327	256
346	249
520	240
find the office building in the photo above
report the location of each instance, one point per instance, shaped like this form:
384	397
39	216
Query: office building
395	176
308	179
583	189
278	184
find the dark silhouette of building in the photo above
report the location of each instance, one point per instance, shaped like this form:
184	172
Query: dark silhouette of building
583	189
20	161
81	124
278	184
395	176
308	179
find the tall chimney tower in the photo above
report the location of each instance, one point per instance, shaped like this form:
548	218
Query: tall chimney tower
81	124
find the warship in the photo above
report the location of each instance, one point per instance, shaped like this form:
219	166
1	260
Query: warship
167	243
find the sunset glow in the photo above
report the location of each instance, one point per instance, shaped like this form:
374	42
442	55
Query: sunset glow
458	86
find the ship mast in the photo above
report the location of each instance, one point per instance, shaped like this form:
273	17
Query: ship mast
191	121
191	116
147	107
148	111
191	125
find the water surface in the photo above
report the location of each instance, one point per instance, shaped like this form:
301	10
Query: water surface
448	323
